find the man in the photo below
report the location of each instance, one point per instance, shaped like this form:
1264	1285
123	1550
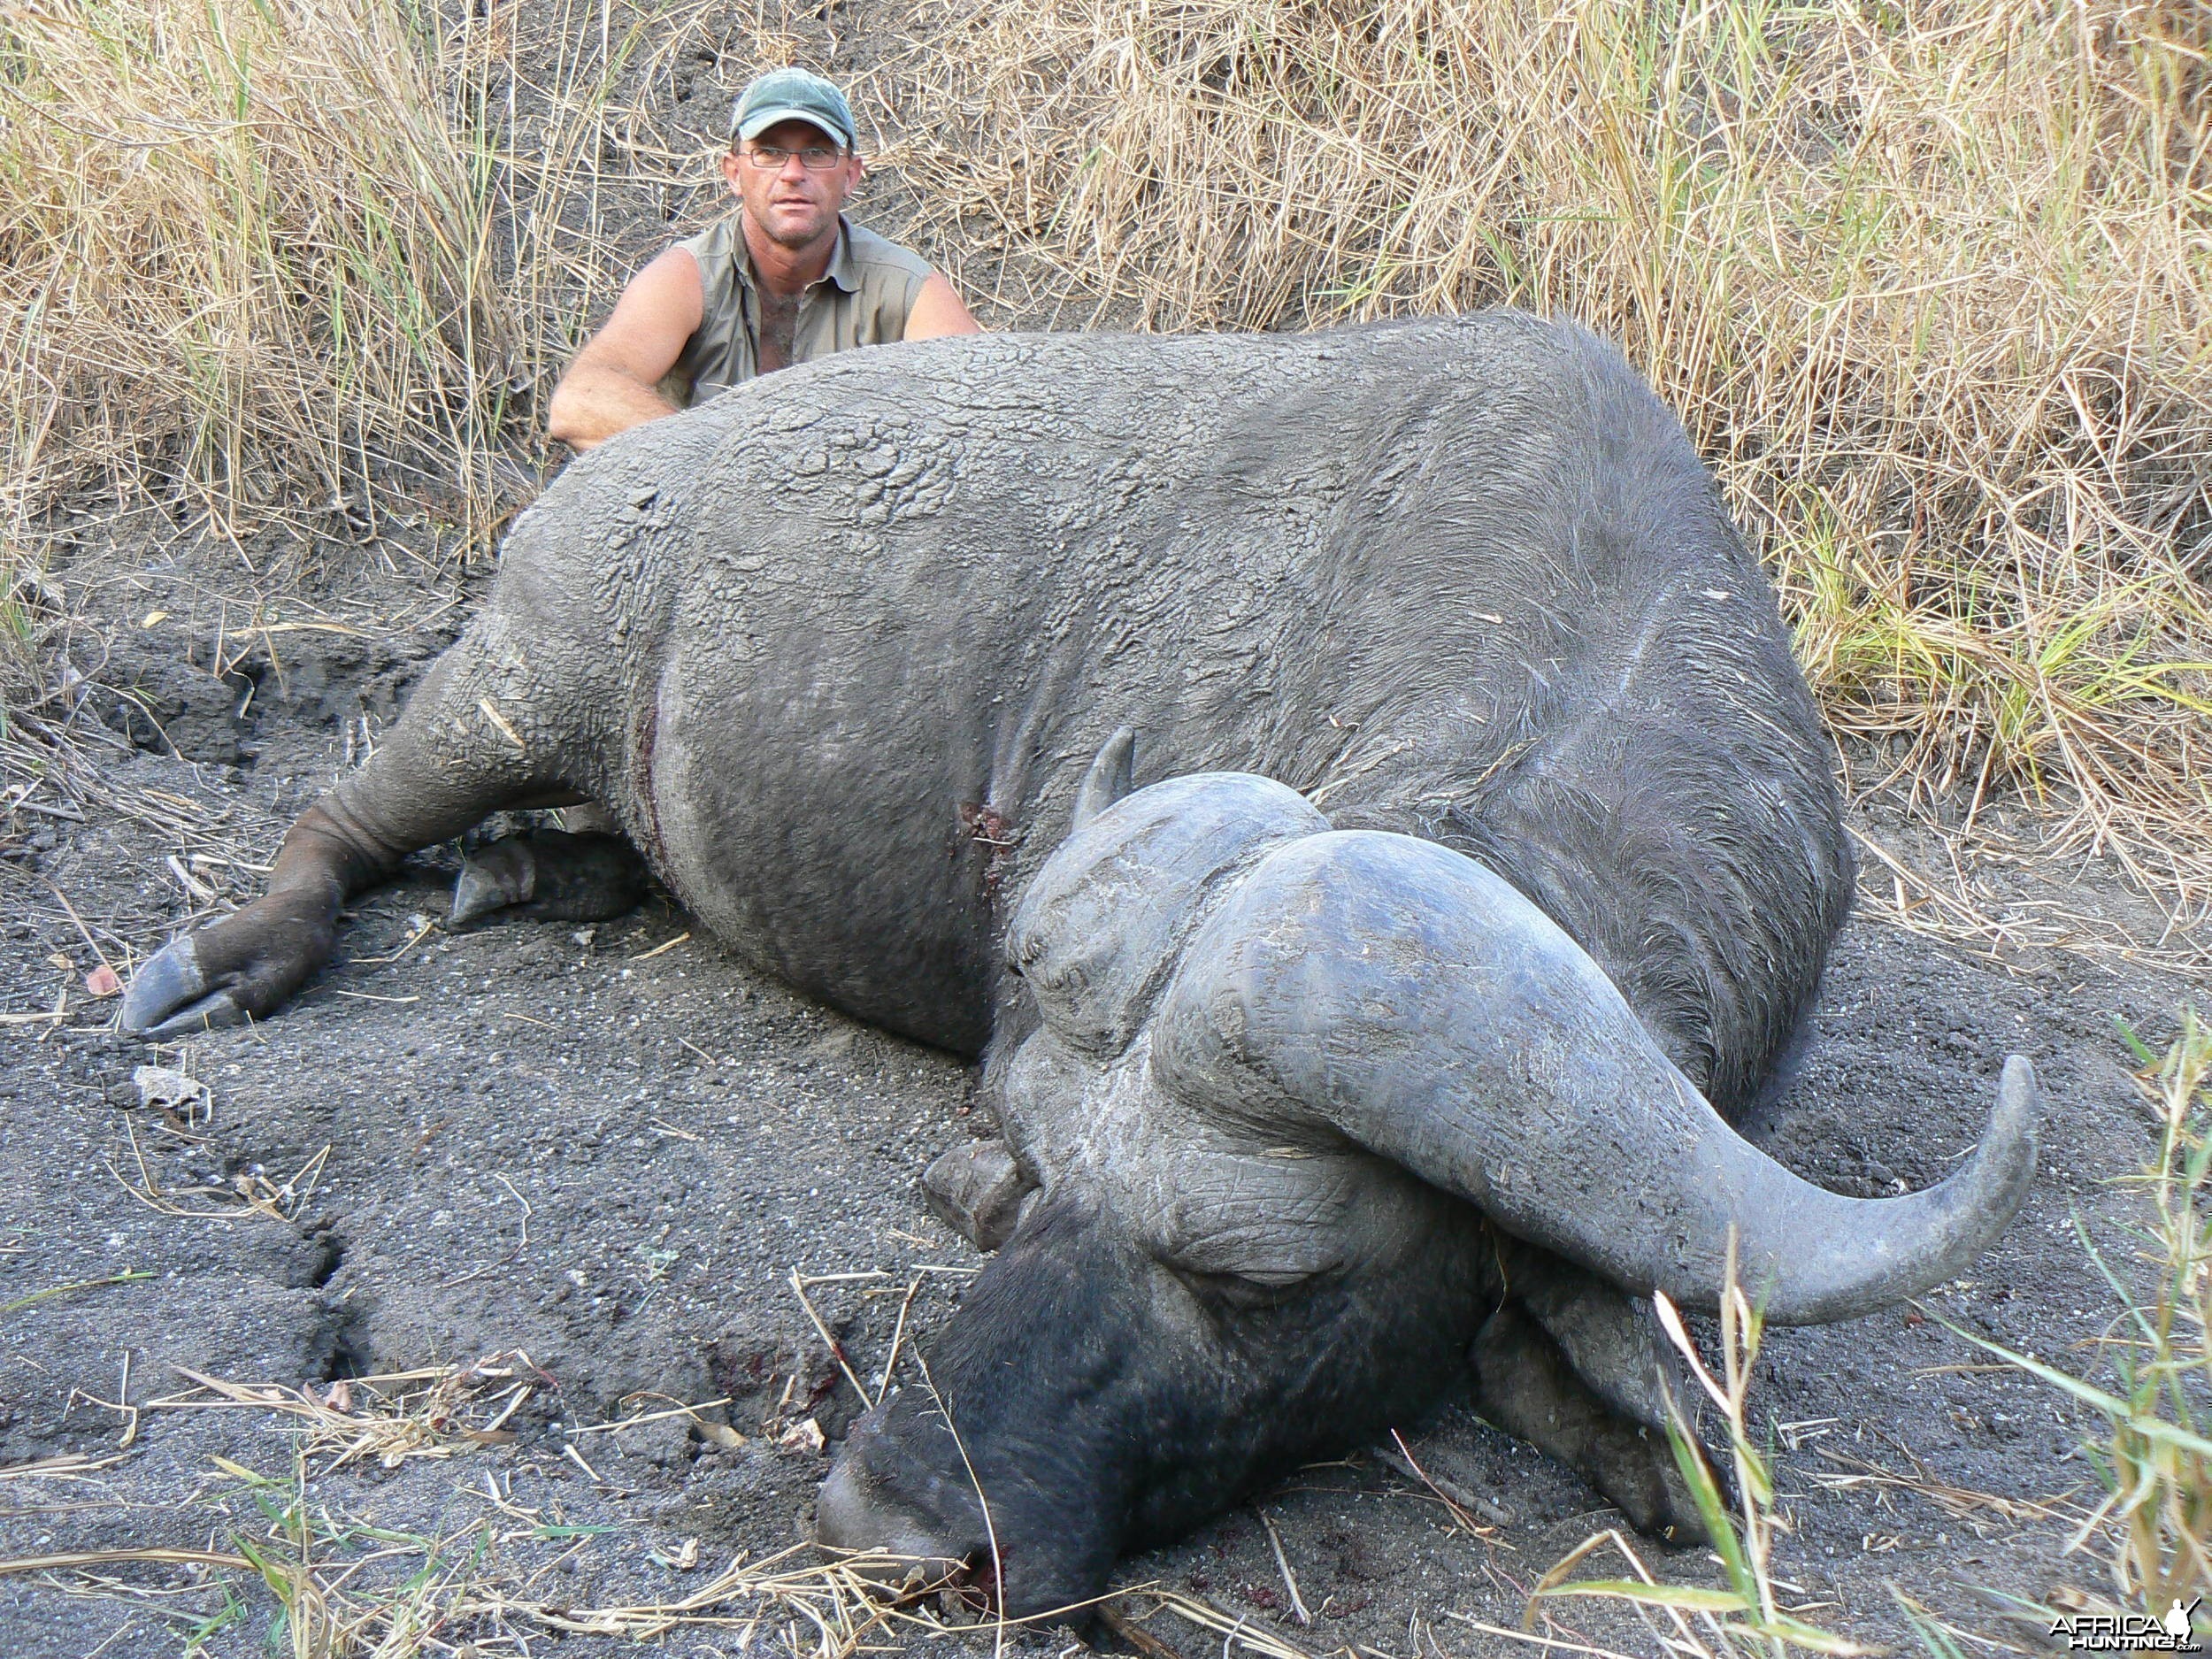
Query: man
785	279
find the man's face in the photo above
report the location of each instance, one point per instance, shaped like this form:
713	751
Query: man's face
793	204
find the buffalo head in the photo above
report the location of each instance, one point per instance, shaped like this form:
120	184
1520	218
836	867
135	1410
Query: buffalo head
1285	1081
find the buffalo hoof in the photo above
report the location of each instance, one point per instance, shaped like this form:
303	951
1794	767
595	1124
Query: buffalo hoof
1527	1388
238	969
977	1190
169	996
549	876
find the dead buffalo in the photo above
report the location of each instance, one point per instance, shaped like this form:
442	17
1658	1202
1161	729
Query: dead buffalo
1489	865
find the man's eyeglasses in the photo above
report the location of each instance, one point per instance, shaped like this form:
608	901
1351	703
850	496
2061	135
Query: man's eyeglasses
814	158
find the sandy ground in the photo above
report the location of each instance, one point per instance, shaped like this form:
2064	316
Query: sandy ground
590	1162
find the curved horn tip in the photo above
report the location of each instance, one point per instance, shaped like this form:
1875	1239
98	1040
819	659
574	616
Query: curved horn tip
2007	1151
1108	780
2019	1096
2014	1122
1969	1211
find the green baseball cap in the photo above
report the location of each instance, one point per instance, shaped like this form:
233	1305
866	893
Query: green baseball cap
793	95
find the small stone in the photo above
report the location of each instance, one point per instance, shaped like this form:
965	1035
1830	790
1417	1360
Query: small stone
170	1091
805	1435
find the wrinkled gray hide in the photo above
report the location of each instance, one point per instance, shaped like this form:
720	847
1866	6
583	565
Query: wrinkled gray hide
835	650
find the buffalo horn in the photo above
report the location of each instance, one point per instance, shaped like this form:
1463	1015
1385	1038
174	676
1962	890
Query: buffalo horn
1400	994
1107	780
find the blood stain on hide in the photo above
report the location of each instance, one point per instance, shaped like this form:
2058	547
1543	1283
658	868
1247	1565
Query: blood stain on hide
985	825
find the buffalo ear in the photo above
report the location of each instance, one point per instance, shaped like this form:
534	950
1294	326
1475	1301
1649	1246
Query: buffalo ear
1107	780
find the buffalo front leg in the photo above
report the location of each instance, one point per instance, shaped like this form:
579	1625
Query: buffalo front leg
1580	1368
1527	1388
482	734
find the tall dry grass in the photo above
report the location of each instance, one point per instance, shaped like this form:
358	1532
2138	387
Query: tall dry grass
294	259
1929	280
244	259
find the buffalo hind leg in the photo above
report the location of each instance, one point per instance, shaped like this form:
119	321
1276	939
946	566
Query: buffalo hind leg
550	875
483	732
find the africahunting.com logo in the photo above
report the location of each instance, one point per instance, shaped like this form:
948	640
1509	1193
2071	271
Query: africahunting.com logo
2131	1632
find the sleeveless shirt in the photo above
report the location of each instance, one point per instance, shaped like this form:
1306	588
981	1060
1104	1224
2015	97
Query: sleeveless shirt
862	300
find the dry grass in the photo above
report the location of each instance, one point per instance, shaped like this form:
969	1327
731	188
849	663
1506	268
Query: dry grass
346	1588
346	1585
248	260
265	260
1928	281
388	1419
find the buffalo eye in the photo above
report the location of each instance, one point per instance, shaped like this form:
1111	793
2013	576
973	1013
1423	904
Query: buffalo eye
1238	1292
1229	1293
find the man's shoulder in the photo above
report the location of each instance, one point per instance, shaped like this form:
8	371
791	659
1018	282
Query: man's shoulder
869	248
715	244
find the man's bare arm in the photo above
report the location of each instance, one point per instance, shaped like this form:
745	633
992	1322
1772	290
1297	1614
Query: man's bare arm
938	310
613	384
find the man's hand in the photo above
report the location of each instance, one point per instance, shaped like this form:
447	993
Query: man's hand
613	384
